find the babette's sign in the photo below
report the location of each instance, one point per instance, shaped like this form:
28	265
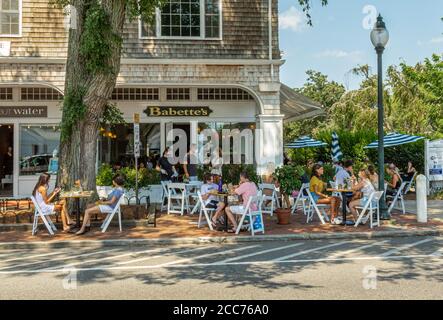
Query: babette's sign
178	111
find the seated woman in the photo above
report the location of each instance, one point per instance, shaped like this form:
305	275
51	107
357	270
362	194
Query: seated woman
410	172
395	182
246	189
318	186
104	206
210	201
373	176
44	200
365	187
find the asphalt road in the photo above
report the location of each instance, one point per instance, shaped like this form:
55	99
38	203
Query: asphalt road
397	268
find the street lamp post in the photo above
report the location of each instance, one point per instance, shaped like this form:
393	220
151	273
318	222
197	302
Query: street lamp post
380	38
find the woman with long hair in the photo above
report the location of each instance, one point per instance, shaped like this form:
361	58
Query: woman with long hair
364	186
45	200
317	187
373	176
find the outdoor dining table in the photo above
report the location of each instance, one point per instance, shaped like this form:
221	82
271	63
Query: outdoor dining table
344	195
77	196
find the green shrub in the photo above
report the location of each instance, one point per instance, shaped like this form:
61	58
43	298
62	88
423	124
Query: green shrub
231	173
104	175
289	178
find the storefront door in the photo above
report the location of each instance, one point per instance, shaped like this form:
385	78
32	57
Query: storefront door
6	160
176	131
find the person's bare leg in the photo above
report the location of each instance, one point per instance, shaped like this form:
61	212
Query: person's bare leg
87	218
352	207
219	212
231	217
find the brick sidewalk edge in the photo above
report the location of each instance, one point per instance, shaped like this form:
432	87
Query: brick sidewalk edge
217	240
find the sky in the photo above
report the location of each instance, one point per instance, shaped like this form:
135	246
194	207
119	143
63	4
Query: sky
339	39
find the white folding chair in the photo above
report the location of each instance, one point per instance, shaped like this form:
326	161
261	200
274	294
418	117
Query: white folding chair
38	213
398	197
272	198
191	194
301	198
164	204
252	215
204	211
177	194
111	214
320	210
367	212
410	183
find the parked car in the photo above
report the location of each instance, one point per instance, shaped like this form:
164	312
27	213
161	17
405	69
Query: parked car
35	164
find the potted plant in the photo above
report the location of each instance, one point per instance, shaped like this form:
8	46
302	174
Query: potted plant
289	179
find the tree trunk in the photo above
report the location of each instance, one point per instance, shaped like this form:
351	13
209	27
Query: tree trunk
78	152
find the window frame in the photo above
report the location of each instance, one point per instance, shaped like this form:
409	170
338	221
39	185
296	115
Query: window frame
20	13
202	26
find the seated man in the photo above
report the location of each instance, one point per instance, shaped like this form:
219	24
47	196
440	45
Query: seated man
210	201
246	189
104	206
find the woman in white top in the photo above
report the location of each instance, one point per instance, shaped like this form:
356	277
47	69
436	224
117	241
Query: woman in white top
45	203
365	187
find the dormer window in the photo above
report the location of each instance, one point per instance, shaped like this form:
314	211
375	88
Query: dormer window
185	19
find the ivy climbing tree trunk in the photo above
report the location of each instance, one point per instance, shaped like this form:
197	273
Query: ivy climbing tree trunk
91	75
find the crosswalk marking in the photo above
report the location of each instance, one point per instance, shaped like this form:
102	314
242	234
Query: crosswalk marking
57	259
309	251
159	256
407	246
33	256
107	258
258	253
437	253
344	253
205	256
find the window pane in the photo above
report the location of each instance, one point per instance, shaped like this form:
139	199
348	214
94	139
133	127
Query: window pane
6	5
166	31
37	144
166	19
175	31
195	32
14	4
175	20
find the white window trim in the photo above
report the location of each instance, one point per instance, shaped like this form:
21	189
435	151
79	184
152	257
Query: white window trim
19	35
202	26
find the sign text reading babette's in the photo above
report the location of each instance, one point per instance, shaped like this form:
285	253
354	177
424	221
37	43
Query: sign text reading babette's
178	111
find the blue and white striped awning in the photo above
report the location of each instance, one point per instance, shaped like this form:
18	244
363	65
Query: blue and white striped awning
395	139
305	142
336	151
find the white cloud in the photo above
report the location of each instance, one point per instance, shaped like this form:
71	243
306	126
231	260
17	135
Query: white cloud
437	40
340	54
292	19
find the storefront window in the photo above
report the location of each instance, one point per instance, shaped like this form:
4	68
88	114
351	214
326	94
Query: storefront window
116	145
246	139
38	146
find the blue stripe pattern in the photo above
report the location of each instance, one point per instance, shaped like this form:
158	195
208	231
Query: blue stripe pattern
395	139
336	151
305	142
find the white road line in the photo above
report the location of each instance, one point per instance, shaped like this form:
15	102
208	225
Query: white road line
205	255
175	266
57	259
33	256
258	253
105	258
344	253
309	251
437	253
406	246
160	256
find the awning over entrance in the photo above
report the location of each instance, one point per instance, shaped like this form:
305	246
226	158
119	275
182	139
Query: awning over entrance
296	106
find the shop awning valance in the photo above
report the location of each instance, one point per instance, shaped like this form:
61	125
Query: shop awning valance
296	106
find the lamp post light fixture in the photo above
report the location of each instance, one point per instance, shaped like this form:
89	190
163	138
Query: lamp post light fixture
380	38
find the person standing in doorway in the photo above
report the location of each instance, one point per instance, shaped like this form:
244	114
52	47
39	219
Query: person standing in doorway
8	162
190	164
167	170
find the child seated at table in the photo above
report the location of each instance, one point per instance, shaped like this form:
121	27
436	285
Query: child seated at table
104	206
210	201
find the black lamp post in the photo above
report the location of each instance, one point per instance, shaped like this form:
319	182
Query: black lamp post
380	38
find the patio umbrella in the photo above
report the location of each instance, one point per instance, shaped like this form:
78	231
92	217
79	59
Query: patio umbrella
305	142
395	139
336	151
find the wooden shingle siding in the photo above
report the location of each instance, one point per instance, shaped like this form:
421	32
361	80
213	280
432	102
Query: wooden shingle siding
245	35
43	31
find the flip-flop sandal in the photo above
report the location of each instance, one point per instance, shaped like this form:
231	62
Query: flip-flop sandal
231	230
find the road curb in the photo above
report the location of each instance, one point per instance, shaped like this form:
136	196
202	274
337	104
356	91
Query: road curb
218	240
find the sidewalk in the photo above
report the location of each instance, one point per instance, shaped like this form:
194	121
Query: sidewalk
181	227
